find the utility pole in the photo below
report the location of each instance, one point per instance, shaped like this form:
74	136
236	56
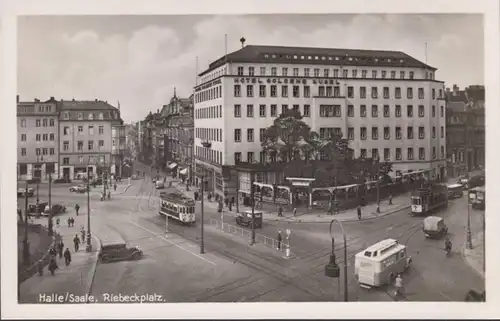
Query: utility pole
51	226
37	187
26	245
252	199
469	233
89	241
202	245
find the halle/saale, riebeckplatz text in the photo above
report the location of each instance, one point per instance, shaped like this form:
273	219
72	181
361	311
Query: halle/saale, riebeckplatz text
106	298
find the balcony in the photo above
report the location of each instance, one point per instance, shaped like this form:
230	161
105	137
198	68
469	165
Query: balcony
206	143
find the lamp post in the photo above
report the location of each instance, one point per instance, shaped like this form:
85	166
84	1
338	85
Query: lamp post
332	270
89	240
202	244
468	233
50	223
38	158
252	199
26	245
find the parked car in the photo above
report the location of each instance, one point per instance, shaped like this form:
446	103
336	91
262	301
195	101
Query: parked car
56	209
32	208
463	181
245	219
119	252
78	188
22	191
159	185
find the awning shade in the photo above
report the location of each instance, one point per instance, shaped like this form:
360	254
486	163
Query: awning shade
172	166
183	171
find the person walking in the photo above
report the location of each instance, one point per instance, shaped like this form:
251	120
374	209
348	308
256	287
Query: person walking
114	187
82	231
294	211
53	266
359	212
77	208
52	252
67	256
280	211
390	199
279	238
69	221
58	221
60	248
39	267
72	222
76	242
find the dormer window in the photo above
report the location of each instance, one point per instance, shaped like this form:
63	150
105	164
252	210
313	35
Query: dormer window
309	57
295	57
101	116
350	58
266	56
66	115
336	58
330	58
376	59
316	58
91	116
274	56
80	116
401	60
389	60
323	58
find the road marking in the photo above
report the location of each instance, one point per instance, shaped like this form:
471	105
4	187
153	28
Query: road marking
166	240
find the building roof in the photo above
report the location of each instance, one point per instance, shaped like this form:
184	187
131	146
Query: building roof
86	105
457	106
320	56
475	93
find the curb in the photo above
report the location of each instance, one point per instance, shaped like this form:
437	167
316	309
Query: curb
94	267
466	260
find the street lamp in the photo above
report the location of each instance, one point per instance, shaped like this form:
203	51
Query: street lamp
252	199
89	240
202	244
38	159
50	223
332	270
26	245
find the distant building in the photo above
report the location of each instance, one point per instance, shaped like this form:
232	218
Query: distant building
38	139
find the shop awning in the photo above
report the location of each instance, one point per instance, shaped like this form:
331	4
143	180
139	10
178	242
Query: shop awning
183	171
172	165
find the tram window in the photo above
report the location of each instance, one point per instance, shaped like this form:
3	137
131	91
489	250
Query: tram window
368	253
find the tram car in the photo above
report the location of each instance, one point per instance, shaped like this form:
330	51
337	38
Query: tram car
178	207
427	199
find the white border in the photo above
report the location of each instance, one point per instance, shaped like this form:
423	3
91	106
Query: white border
244	310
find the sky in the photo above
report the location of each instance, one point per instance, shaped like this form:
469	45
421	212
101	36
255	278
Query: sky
138	60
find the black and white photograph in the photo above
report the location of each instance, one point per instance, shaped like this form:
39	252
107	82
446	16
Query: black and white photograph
249	158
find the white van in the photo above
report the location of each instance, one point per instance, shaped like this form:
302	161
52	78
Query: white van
380	263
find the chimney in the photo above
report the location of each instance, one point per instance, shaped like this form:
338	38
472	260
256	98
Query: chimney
455	90
17	98
73	99
52	98
96	100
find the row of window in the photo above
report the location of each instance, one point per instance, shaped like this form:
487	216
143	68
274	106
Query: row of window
325	72
92	159
208	94
43	122
306	112
90	145
208	112
80	116
39	151
211	155
211	134
332	91
40	137
66	130
363	154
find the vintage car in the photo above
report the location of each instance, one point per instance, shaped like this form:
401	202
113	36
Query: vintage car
56	209
245	219
78	188
118	252
434	227
22	191
32	208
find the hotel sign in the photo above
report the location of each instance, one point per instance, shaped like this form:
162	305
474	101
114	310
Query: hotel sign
297	81
210	84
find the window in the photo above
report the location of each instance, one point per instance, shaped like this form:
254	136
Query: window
374	133
23	122
397	111
23	137
306	72
296	108
66	115
251	71
397	92
398	132
262	71
44	122
321	91
66	145
325	72
421	93
262	132
354	73
274	110
101	144
387	133
345	73
273	91
316	72
329	111
284	108
409	132
38	137
237	135
374	92
387	154
91	145
350	92
433	131
37	122
410	153
350	133
250	158
101	130
262	110
237	157
249	90
374	74
250	134
386	92
295	72
52	123
307	111
284	71
274	71
363	73
434	152
52	136
398	153
91	130
262	91
433	111
375	154
362	110
45	137
363	153
336	91
384	74
262	156
374	111
402	74
91	116
335	73
249	110
387	112
442	111
420	110
421	132
442	132
363	133
409	111
409	93
80	130
237	91
80	116
393	74
38	151
421	153
350	111
307	91
66	161
80	145
52	151
329	92
442	152
237	111
296	91
101	116
240	71
362	92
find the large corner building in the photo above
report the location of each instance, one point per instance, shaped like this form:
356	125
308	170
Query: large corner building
386	103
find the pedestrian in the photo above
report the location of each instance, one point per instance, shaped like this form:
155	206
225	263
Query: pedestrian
109	195
53	266
69	221
230	206
294	211
52	252
114	186
39	267
76	241
77	208
226	201
72	221
390	199
359	212
280	211
58	221
67	256
196	195
232	200
60	248
279	238
83	235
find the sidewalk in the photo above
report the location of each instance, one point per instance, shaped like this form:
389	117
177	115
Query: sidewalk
400	202
474	257
74	280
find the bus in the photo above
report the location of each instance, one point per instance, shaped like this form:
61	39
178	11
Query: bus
477	197
455	191
380	263
427	199
178	207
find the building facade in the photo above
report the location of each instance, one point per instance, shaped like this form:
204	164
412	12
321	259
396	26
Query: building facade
386	103
465	127
85	137
118	146
38	139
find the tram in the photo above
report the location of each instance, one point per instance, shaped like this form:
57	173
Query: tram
178	207
427	199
